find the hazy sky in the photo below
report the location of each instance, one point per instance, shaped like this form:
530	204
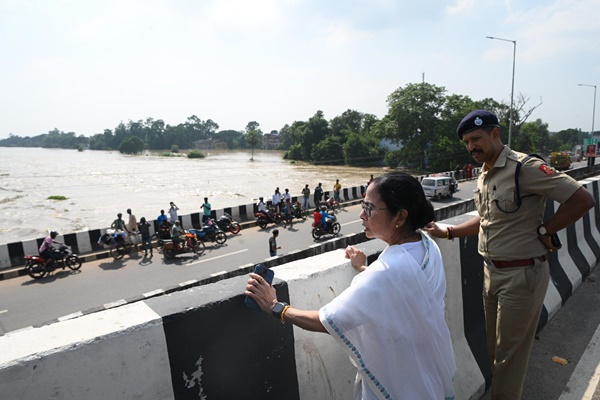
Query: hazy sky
85	66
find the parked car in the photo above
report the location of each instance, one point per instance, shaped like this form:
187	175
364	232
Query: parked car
439	187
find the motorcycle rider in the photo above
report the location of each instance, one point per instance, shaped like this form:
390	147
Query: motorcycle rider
324	217
176	232
46	250
118	224
261	206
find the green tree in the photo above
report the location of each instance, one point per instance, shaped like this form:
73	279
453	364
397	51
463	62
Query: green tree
328	151
252	136
132	145
416	110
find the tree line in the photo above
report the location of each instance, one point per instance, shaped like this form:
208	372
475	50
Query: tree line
421	123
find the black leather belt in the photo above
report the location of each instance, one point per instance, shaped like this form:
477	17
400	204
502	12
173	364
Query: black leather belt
517	263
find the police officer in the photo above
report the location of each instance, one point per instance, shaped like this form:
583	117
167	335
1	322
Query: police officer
513	241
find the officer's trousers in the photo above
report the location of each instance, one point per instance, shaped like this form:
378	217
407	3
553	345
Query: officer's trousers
513	300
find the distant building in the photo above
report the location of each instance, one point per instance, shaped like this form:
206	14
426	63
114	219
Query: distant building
209	144
270	141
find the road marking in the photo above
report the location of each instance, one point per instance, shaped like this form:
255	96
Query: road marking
585	377
71	316
217	257
351	222
153	293
3	311
218	273
187	283
115	303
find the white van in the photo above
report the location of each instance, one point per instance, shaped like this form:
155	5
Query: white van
439	187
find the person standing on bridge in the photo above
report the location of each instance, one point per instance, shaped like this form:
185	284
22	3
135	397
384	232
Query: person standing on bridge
305	198
206	207
390	321
173	213
513	241
318	195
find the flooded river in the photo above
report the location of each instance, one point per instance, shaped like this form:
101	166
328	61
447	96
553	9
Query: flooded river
99	184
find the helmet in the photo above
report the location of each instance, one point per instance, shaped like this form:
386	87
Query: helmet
323	208
53	234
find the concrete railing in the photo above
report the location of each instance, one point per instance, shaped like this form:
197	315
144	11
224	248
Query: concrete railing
203	342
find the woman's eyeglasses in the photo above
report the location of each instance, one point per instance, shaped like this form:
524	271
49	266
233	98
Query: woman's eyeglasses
368	208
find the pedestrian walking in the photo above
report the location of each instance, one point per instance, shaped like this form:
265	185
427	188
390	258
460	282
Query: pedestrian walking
273	243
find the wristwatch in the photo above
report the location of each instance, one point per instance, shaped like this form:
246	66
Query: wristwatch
542	231
278	309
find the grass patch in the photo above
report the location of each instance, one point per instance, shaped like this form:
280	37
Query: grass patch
169	154
57	198
196	154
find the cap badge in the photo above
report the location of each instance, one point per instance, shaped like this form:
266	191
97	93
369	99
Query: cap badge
478	121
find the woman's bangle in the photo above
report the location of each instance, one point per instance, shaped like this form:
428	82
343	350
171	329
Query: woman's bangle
283	312
450	233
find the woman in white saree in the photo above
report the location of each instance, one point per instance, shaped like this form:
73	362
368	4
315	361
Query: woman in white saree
390	320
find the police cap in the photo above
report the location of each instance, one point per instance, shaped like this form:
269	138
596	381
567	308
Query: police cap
476	120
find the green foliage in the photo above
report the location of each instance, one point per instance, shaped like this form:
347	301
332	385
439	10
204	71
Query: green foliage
60	198
294	153
393	158
175	149
328	151
361	150
132	145
196	154
253	135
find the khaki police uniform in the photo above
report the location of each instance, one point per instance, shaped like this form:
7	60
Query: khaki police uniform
516	268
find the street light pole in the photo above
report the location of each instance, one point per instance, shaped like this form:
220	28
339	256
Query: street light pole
512	90
594	110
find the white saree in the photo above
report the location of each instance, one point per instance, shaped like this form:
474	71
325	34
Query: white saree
391	323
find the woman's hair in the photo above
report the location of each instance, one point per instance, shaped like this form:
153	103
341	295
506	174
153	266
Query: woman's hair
142	220
402	191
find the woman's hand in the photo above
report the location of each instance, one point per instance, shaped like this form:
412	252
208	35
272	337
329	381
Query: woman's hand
263	293
433	230
357	258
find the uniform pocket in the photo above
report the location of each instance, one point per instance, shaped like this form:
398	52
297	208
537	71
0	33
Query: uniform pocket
504	200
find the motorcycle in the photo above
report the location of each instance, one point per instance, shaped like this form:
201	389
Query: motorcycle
226	223
64	258
333	228
190	244
265	218
210	232
298	212
331	203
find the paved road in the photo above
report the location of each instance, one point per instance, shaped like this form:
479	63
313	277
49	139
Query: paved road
27	302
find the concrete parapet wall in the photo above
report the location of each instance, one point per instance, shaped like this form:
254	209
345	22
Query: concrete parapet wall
203	342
